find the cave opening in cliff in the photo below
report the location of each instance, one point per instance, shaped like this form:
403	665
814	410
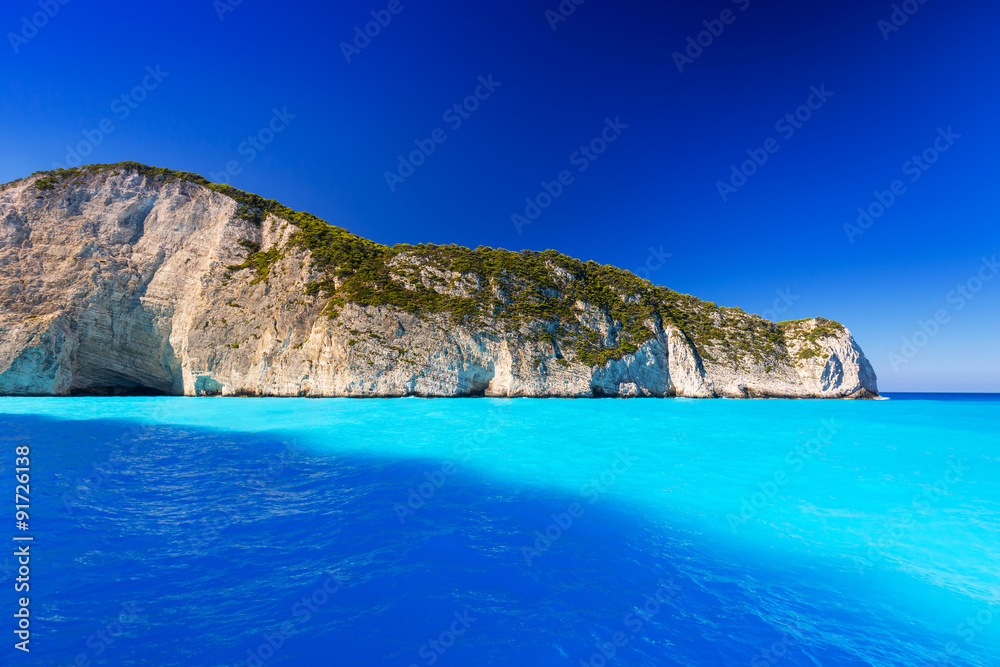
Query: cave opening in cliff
117	390
108	379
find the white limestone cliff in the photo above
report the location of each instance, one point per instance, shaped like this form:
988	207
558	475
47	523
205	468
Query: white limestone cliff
117	281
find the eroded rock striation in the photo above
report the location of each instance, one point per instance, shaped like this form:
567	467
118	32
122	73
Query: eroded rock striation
127	278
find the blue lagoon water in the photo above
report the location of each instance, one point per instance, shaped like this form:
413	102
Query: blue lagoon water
179	531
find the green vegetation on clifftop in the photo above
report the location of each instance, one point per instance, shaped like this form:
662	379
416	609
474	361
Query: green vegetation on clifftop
600	313
801	331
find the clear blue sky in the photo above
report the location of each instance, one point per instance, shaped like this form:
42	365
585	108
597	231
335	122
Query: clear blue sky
656	184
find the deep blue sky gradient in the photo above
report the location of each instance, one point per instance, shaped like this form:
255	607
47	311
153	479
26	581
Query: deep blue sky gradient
656	185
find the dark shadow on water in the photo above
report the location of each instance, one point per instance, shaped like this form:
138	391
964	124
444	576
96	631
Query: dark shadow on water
200	547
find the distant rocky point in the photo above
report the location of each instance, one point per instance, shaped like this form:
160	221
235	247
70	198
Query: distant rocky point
125	279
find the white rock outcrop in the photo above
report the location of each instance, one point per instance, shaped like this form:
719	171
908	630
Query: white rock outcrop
117	282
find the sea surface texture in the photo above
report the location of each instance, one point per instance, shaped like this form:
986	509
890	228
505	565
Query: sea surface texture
185	531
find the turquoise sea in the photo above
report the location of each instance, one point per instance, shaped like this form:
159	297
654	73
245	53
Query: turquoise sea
182	531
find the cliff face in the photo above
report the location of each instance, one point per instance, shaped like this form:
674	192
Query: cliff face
127	278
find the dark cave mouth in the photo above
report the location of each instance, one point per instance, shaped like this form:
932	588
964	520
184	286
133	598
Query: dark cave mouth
117	390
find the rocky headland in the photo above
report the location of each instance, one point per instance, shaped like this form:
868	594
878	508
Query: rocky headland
119	279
